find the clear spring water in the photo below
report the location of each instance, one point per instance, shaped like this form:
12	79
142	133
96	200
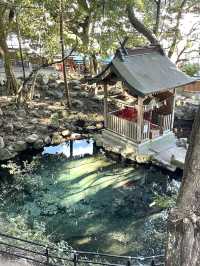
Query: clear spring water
95	203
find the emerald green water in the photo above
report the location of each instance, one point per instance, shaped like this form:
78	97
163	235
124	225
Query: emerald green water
94	203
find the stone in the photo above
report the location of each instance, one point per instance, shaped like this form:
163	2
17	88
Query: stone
1	112
5	154
57	94
21	112
66	133
34	121
20	145
38	144
18	125
76	88
2	144
9	127
75	82
56	138
1	122
32	138
99	125
11	113
29	128
47	140
77	103
53	85
42	129
91	127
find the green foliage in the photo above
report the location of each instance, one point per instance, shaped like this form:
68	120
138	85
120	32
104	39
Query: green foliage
191	69
164	202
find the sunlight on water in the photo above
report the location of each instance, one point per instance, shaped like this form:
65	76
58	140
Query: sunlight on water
95	203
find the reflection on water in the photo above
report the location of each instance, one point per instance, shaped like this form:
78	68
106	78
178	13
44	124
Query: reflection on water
95	203
72	148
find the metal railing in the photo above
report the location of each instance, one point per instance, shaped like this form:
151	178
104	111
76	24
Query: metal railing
40	254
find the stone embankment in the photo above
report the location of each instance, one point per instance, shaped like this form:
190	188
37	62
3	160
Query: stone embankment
45	120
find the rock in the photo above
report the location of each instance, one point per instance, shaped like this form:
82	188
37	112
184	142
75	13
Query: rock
38	144
29	128
75	82
53	85
1	112
77	88
20	146
9	127
34	121
2	144
11	113
21	112
99	125
32	138
83	94
45	87
55	94
18	125
42	129
5	154
66	133
77	103
47	140
35	113
90	127
56	138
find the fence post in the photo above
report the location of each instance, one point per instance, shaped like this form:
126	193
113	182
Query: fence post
153	262
47	256
129	262
75	260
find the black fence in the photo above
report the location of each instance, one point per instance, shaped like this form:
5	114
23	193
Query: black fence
41	254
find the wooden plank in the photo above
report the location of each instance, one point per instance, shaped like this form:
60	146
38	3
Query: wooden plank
105	104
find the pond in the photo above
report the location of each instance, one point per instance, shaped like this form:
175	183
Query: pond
92	201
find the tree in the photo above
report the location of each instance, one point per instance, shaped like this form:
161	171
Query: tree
184	220
6	23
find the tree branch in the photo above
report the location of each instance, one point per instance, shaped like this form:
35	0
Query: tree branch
139	26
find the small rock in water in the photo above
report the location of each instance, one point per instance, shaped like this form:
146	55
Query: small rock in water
32	138
2	144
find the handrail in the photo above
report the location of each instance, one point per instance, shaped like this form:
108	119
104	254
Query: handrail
73	255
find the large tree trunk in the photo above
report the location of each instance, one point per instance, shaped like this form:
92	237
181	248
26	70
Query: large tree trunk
10	77
183	247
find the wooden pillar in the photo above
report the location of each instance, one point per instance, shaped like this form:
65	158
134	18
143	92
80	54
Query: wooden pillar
173	108
105	104
139	119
